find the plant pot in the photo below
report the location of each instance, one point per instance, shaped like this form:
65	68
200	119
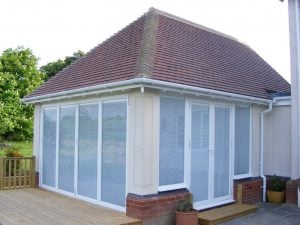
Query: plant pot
276	196
187	218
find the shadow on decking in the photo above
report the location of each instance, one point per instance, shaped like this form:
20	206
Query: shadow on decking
36	206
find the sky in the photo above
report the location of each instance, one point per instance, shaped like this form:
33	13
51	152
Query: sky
53	29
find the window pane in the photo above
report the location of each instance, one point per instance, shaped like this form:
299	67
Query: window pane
87	150
222	134
171	151
66	148
49	146
242	140
113	172
200	152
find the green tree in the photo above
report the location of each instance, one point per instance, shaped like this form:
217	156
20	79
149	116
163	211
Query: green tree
53	68
19	76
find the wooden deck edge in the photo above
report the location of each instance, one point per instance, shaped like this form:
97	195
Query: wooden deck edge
226	218
133	223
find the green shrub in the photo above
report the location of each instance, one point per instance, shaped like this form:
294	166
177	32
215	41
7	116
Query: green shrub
276	184
185	205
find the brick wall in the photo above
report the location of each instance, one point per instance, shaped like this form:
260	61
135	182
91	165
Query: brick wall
248	190
291	193
158	209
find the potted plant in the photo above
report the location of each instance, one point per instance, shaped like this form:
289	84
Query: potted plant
185	213
276	190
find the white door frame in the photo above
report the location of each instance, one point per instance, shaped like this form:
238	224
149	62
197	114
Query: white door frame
211	201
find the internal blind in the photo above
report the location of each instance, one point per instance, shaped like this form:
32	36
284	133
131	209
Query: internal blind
242	140
113	172
66	148
171	151
88	150
49	146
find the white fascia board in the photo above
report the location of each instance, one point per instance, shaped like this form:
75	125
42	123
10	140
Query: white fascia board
282	101
145	82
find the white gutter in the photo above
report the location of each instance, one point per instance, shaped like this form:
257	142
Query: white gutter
146	82
261	159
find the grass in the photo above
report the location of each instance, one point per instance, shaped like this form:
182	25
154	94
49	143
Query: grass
24	147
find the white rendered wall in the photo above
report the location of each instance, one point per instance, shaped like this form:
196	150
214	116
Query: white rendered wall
294	18
143	142
277	157
36	134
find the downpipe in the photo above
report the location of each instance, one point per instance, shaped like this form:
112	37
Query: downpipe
261	160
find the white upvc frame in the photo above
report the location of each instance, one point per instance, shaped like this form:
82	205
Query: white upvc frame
249	174
77	103
184	184
211	201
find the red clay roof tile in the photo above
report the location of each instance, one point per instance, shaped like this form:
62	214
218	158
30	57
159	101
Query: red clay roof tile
163	47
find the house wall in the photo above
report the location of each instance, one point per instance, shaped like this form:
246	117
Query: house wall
36	134
143	142
277	133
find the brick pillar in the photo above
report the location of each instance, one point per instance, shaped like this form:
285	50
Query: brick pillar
248	190
292	191
158	209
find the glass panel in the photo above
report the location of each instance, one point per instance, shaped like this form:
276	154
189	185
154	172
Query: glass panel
113	173
87	150
242	140
171	149
200	152
49	146
66	148
221	167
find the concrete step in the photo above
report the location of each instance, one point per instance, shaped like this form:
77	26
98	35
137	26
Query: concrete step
225	213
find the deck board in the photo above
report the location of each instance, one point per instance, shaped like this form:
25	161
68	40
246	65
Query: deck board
34	206
225	213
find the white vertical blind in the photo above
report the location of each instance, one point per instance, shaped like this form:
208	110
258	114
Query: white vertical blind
113	172
66	148
222	140
171	151
49	146
242	140
87	150
200	152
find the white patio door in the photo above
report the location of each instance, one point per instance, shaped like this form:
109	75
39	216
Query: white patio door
211	179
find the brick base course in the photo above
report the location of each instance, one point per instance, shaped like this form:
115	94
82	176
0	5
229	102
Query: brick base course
251	189
291	193
155	209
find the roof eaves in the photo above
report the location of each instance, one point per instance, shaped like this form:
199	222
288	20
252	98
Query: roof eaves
145	82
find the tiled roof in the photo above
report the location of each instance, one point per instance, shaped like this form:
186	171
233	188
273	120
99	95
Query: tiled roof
167	48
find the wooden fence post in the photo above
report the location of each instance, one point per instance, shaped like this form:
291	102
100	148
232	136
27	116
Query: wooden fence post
33	171
1	173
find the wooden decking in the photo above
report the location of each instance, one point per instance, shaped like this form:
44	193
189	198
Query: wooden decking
225	213
33	206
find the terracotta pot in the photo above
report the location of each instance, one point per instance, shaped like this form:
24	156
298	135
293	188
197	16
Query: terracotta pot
276	196
187	218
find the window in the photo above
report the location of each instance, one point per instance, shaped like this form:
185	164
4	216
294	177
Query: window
114	114
88	150
171	151
83	150
66	148
49	146
242	141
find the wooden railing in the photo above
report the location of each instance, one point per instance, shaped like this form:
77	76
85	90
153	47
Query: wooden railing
17	172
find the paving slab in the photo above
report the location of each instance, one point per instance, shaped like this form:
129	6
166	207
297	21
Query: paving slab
270	214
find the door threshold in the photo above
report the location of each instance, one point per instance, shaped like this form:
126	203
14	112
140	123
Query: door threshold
211	205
